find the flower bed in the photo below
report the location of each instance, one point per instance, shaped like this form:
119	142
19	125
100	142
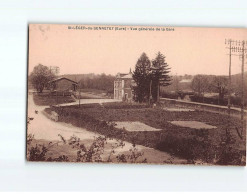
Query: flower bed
191	144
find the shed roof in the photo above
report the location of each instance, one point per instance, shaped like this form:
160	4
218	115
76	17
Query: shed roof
61	78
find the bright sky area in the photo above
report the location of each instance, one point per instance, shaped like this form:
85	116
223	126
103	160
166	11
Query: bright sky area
187	50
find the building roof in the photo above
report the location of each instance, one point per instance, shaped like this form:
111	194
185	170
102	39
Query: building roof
124	76
61	78
186	81
128	76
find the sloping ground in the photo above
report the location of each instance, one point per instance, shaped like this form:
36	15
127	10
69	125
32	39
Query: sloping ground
46	131
189	143
150	155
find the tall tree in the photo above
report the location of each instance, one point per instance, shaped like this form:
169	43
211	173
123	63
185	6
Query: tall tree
142	78
219	84
40	76
201	84
160	75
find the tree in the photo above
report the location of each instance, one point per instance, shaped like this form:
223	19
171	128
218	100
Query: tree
40	76
100	82
142	78
219	84
200	84
160	75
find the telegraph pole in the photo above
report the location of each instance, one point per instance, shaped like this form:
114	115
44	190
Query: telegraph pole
229	82
150	92
242	106
237	47
79	97
153	71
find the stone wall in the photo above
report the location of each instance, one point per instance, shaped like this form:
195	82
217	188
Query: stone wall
204	107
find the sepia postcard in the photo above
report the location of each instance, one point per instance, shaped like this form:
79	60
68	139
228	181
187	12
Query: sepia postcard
136	94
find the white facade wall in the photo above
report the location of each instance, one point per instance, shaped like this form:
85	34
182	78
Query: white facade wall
118	89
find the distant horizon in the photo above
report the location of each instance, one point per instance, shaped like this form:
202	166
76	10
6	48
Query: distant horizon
245	72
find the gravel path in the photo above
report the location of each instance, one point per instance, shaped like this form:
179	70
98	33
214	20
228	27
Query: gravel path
46	129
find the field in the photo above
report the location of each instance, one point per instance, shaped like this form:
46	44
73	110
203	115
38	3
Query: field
44	99
207	146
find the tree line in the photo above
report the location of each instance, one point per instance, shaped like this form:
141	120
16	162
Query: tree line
41	75
100	82
202	84
210	83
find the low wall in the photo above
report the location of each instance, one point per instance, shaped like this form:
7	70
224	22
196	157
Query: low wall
203	107
53	116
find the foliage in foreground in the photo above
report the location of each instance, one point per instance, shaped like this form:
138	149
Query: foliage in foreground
92	153
201	149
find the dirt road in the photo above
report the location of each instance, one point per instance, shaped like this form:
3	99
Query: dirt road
46	129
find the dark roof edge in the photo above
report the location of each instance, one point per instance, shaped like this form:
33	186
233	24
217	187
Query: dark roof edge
61	79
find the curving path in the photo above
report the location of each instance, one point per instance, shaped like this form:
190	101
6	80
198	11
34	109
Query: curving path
46	129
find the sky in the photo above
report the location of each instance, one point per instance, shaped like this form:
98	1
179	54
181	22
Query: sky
79	51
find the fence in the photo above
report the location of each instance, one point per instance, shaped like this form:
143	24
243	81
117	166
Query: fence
204	107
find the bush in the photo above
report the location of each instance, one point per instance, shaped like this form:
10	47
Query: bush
170	95
125	105
179	141
190	147
235	101
207	100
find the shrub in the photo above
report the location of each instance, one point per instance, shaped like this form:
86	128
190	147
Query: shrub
236	101
170	95
37	153
189	147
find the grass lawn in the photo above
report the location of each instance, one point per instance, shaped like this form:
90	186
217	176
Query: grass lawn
206	145
44	99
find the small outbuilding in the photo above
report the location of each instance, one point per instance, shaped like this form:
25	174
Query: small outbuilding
62	84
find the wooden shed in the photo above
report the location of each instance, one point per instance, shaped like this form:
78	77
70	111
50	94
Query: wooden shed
62	84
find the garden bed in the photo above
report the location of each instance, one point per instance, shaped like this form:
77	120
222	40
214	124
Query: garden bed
134	126
193	124
46	99
206	145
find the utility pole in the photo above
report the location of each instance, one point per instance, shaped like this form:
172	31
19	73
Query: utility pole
79	97
153	71
242	106
237	47
150	92
229	42
158	92
229	83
